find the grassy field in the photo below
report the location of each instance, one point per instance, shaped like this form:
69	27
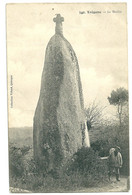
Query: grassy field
21	136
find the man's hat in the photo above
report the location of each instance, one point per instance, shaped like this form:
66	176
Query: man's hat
118	147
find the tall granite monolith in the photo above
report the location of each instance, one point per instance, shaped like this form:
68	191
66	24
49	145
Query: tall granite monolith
59	115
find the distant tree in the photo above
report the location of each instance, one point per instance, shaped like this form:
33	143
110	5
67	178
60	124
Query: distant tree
94	114
119	98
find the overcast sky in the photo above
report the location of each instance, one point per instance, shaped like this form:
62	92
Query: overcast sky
99	41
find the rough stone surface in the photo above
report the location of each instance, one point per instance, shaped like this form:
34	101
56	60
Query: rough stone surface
57	131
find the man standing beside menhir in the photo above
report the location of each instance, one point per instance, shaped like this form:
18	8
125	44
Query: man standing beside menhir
115	162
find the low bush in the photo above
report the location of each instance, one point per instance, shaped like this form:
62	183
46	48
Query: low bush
87	162
16	160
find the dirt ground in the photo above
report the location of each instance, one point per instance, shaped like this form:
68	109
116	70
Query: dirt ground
112	186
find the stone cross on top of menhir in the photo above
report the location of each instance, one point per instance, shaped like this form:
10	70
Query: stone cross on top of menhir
59	127
58	20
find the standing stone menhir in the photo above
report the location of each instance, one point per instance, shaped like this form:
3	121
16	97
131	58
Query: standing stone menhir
58	119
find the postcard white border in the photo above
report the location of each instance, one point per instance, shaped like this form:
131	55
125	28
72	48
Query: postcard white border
4	177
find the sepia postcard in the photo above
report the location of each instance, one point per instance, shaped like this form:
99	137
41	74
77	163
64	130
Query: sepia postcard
68	119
